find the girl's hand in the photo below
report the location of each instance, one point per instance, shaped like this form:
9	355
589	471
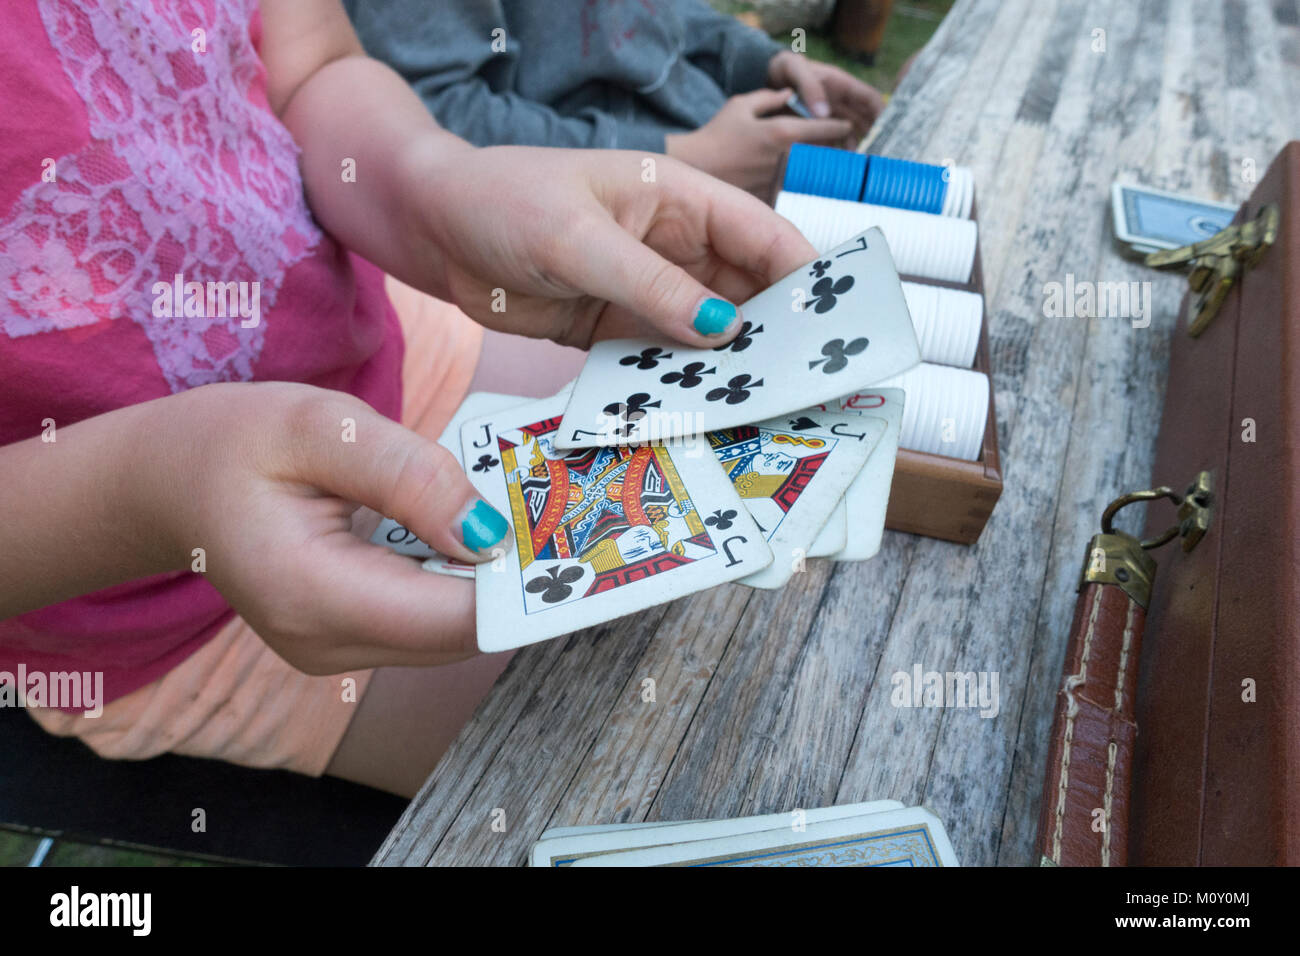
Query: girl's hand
266	477
580	245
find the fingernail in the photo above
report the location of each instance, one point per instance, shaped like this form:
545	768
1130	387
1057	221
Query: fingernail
821	110
714	316
483	527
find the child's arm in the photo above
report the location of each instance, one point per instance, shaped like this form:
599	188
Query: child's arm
584	244
735	54
448	53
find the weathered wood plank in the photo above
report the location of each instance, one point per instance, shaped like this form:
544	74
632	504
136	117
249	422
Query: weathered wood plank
527	778
727	733
1286	32
1001	151
1111	435
936	74
520	749
620	776
817	719
424	823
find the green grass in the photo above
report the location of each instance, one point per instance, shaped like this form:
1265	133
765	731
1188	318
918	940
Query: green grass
67	853
910	27
16	849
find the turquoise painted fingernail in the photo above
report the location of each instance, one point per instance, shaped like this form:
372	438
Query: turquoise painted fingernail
714	316
483	527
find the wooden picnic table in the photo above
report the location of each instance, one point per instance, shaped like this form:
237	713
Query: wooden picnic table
768	701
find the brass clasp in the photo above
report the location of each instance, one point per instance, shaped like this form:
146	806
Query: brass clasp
1117	558
1216	263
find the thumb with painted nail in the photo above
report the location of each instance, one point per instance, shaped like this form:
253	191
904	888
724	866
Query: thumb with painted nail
412	480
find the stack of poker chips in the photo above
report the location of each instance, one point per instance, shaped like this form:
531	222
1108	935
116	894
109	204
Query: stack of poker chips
924	211
879	180
924	245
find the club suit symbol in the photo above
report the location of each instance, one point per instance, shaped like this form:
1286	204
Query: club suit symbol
721	520
485	462
555	585
736	390
825	292
743	340
630	412
819	268
649	358
689	376
835	355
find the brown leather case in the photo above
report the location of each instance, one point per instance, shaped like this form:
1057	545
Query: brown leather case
1084	813
1217	762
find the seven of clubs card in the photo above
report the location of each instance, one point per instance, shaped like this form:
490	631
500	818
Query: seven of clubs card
601	532
834	326
790	473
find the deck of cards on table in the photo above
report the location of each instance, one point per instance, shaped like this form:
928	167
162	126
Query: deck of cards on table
1147	220
664	470
881	833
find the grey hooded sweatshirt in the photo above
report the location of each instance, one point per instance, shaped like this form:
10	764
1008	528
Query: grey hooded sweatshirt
583	73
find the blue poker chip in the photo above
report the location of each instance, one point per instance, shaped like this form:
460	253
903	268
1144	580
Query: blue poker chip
824	171
904	184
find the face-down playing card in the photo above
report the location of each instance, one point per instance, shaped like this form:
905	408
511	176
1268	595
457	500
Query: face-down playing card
791	472
836	325
601	532
562	846
908	837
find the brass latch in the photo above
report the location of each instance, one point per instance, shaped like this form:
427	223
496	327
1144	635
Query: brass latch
1114	557
1218	261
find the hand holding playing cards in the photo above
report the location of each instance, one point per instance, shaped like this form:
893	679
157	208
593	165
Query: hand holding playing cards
578	246
828	90
265	478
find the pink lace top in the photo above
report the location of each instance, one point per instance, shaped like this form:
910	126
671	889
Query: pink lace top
139	156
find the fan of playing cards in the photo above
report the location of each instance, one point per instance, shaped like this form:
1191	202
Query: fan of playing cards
880	833
664	470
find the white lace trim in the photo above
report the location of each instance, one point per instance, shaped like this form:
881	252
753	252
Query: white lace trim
183	173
